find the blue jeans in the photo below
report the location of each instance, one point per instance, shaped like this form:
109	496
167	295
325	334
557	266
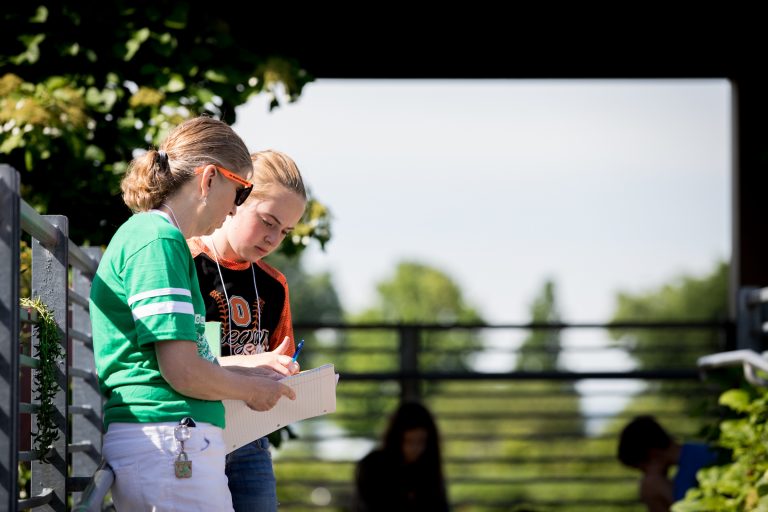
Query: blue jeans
251	478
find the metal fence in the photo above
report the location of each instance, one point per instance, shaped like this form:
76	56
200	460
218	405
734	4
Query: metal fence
61	278
513	438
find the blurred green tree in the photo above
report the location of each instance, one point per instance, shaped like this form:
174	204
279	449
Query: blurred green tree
314	298
540	351
416	293
537	432
686	298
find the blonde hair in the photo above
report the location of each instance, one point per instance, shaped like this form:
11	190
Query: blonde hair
157	174
273	167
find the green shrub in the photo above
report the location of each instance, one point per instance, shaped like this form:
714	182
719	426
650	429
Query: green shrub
742	483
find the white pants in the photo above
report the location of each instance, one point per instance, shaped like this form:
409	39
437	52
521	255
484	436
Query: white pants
142	455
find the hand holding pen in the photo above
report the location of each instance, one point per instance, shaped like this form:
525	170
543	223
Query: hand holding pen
278	360
298	351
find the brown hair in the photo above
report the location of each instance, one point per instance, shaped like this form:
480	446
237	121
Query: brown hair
270	166
408	416
157	174
639	437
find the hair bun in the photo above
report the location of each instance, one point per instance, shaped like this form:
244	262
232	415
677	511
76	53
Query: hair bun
162	159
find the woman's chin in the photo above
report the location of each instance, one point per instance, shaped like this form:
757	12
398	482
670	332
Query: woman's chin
216	226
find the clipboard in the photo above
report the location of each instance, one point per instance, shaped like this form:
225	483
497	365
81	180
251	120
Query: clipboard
315	396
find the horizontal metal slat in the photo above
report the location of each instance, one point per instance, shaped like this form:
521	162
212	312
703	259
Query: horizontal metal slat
37	501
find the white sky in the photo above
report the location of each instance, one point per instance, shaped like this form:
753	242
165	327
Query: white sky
601	185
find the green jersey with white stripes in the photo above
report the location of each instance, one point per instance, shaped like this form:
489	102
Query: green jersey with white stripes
146	291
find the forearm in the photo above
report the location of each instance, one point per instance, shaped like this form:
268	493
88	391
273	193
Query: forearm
274	361
259	371
248	361
193	376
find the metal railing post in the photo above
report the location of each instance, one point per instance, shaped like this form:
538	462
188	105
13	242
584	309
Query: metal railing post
49	282
10	232
409	363
86	427
748	320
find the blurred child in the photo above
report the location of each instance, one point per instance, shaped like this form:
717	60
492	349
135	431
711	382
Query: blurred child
646	446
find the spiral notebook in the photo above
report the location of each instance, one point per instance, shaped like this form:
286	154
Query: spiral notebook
315	395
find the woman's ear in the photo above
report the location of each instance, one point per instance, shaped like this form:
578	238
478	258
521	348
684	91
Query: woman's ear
206	180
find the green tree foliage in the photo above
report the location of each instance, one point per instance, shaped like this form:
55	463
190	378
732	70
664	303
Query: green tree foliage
84	84
313	296
541	349
687	298
538	434
418	293
415	294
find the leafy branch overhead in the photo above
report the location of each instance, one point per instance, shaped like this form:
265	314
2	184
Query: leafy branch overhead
84	84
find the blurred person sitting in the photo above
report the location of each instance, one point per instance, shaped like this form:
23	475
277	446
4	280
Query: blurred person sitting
405	474
645	445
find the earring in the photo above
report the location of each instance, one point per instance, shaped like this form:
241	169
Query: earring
205	200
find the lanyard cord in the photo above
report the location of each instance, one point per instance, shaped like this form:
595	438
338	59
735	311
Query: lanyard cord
259	345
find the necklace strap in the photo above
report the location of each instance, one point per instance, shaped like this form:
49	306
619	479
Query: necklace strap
175	220
164	215
208	250
226	295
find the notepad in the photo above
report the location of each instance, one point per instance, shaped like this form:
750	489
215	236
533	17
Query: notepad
315	395
213	335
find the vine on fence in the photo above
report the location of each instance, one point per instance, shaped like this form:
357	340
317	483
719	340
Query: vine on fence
49	353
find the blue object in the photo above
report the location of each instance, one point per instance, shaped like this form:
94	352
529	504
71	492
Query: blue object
298	350
693	457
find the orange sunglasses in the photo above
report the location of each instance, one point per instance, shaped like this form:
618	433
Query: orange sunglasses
242	193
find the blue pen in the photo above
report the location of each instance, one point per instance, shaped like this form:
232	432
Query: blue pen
298	350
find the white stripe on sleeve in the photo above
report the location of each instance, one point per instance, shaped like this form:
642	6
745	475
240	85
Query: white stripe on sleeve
161	308
158	292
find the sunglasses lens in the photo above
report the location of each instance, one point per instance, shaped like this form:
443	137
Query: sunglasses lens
242	194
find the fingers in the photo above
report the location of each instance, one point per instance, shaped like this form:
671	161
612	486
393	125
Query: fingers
259	406
282	366
267	396
288	364
271	373
287	391
283	347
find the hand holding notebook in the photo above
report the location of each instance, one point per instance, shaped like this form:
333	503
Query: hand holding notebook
315	395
